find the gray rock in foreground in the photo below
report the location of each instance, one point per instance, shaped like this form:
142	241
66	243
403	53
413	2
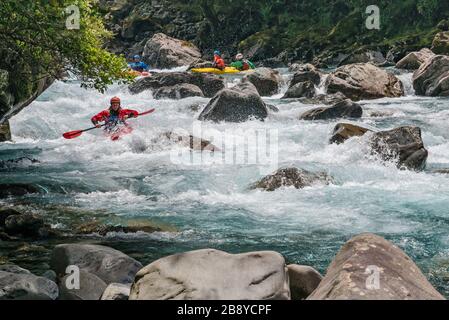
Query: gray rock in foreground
20	284
91	287
303	281
117	291
369	267
214	275
267	81
108	264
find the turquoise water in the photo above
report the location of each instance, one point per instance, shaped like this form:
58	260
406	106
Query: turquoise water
210	205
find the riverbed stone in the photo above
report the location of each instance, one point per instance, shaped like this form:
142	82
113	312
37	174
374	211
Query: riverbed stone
267	81
19	284
368	267
165	52
291	177
342	109
440	44
414	60
432	78
214	275
90	287
238	104
345	131
364	81
303	281
403	145
116	291
110	265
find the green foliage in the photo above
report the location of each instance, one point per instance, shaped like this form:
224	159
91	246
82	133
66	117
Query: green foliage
35	43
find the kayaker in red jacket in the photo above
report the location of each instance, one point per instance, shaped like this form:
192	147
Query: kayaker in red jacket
219	63
114	115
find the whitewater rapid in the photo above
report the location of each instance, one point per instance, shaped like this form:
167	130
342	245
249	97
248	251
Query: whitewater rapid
211	205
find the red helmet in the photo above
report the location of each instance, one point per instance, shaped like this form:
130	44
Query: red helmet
115	100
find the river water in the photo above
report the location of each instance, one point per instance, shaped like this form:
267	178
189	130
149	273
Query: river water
210	205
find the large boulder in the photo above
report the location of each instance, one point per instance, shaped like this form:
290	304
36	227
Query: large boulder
414	60
20	284
303	281
364	81
117	291
292	177
403	145
238	104
369	267
164	52
110	265
345	131
342	109
267	81
91	287
214	275
179	91
209	84
440	43
305	72
304	89
432	78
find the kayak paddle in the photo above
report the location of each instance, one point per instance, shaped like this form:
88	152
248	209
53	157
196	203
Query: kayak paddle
77	133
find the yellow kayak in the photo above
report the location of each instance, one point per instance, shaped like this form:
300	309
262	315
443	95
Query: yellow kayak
227	70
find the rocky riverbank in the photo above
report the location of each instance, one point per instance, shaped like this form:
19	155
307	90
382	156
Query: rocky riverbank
366	267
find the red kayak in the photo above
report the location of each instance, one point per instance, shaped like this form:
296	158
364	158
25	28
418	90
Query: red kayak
120	132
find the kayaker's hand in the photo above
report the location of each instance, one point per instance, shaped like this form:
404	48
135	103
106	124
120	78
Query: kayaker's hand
98	125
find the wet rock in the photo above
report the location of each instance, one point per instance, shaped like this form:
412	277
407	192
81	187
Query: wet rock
50	275
16	189
303	281
441	171
209	84
191	142
292	177
110	265
90	287
214	275
5	213
96	227
199	64
364	81
20	284
164	52
116	291
304	73
343	109
440	43
179	91
5	132
272	107
28	225
238	104
345	131
267	81
414	60
403	144
327	99
11	163
300	90
373	56
363	260
432	78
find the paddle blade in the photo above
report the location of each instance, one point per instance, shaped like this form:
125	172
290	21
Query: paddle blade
146	112
72	134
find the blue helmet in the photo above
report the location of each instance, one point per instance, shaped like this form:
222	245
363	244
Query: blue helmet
218	53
